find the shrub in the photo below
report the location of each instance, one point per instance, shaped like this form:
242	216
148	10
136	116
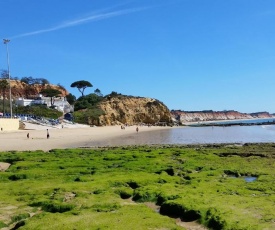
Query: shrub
86	102
39	110
89	116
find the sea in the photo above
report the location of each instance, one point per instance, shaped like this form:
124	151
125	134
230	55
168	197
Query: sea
197	135
244	121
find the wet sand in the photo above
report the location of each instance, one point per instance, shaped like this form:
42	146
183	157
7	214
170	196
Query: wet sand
62	138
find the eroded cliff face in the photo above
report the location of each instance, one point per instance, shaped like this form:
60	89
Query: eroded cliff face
21	89
133	110
183	116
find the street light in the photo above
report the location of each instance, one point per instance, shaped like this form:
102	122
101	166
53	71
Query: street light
6	41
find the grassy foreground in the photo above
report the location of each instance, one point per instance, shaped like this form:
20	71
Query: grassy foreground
112	188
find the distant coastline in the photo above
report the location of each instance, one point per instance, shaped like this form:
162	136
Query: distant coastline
217	118
233	122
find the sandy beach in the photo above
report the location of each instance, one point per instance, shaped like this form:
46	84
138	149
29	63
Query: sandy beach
70	136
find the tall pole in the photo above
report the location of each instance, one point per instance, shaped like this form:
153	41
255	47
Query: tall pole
6	41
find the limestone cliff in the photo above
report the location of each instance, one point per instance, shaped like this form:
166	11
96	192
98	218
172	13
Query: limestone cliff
194	116
133	110
21	89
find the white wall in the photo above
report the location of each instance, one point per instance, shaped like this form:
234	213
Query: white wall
7	124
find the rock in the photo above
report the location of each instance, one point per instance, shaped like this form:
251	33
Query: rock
21	89
133	110
4	166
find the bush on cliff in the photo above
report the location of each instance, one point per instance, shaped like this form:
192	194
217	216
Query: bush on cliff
88	116
38	110
86	102
86	110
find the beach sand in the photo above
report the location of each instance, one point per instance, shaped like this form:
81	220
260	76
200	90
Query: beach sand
70	136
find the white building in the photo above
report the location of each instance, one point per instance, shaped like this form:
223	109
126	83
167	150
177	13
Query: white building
60	103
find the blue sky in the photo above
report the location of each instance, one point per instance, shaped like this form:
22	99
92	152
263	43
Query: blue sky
189	54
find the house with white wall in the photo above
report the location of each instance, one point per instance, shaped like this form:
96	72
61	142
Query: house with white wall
60	103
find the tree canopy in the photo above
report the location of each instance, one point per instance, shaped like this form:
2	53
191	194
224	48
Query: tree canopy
51	93
32	81
4	84
71	98
88	101
98	92
81	85
4	74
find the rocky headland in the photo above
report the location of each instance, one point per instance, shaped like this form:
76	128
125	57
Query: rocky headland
133	110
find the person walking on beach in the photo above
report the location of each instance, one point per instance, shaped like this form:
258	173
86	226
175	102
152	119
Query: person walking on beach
137	129
28	135
48	135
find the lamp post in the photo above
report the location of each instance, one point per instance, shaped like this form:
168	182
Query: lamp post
6	41
16	110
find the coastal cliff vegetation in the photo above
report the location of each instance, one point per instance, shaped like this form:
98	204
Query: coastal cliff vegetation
118	109
92	108
112	109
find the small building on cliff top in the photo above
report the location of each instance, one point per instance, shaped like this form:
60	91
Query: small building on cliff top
60	103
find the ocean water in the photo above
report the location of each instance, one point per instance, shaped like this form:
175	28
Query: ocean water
196	135
248	121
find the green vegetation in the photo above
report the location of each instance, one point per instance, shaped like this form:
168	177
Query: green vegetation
38	110
110	188
81	86
71	98
32	81
3	88
49	92
87	102
88	116
87	110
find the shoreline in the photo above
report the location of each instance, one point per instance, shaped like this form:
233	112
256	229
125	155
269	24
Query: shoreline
230	122
70	136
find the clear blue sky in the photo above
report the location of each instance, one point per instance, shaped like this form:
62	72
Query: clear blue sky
189	54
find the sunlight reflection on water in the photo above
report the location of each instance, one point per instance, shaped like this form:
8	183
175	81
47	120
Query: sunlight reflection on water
197	135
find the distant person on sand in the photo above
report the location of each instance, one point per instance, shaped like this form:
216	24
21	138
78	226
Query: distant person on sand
137	129
48	135
28	135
